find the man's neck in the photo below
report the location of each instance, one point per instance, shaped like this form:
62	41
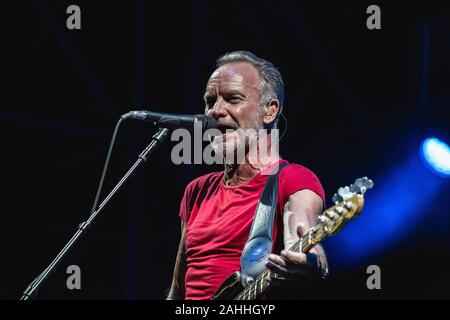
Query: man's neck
239	174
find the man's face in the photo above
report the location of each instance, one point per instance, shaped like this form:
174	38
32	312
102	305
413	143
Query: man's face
232	98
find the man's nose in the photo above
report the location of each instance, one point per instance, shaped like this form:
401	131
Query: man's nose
218	110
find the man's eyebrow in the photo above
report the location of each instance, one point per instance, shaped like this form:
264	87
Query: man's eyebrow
228	93
234	92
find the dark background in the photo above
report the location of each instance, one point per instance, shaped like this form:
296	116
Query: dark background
358	102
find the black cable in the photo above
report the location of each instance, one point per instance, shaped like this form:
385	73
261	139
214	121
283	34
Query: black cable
105	166
285	126
102	178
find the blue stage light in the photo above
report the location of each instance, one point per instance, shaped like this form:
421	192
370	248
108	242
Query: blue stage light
400	203
437	155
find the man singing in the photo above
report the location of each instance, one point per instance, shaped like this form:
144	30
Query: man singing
245	94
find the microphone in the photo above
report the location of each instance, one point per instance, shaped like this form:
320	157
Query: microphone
173	121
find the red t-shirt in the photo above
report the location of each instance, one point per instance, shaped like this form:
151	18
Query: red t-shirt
219	221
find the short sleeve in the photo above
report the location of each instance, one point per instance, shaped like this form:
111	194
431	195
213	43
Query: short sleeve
192	194
296	177
186	201
183	206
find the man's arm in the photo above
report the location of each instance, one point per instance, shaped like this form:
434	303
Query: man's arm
177	291
300	214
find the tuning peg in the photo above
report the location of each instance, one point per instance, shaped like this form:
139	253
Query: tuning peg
345	193
361	185
339	210
326	223
331	214
368	183
321	219
342	194
337	198
348	205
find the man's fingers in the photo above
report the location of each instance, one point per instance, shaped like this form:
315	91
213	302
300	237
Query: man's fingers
294	257
277	268
277	259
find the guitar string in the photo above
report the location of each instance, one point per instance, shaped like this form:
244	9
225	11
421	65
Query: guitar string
317	229
319	233
247	291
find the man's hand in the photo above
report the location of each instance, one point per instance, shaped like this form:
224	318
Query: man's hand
297	271
293	266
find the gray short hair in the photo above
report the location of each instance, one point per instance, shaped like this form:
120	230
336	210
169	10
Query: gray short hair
271	84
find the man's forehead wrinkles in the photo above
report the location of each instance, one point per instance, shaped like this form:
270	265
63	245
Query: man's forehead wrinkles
232	78
221	86
225	79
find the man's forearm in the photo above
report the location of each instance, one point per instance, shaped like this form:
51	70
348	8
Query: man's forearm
175	294
176	291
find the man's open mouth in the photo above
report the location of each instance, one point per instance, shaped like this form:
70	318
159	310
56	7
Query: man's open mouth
226	129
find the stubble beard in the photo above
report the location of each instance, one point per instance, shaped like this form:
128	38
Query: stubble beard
234	145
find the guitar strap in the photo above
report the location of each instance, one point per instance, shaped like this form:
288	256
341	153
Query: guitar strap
259	244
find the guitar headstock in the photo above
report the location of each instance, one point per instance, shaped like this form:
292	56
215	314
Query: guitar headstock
360	186
349	201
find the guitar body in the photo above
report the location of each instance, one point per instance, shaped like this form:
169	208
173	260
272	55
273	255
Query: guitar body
230	288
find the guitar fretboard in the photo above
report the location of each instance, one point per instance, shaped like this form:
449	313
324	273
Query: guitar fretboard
262	282
339	213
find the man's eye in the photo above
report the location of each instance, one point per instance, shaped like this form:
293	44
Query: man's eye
234	100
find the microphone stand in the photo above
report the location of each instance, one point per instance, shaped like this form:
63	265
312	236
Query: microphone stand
31	290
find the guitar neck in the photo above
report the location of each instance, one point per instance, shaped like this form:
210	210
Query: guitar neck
330	222
256	288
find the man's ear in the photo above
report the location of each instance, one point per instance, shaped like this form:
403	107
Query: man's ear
271	111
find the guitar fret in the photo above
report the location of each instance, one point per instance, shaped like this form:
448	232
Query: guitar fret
310	238
258	286
262	283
